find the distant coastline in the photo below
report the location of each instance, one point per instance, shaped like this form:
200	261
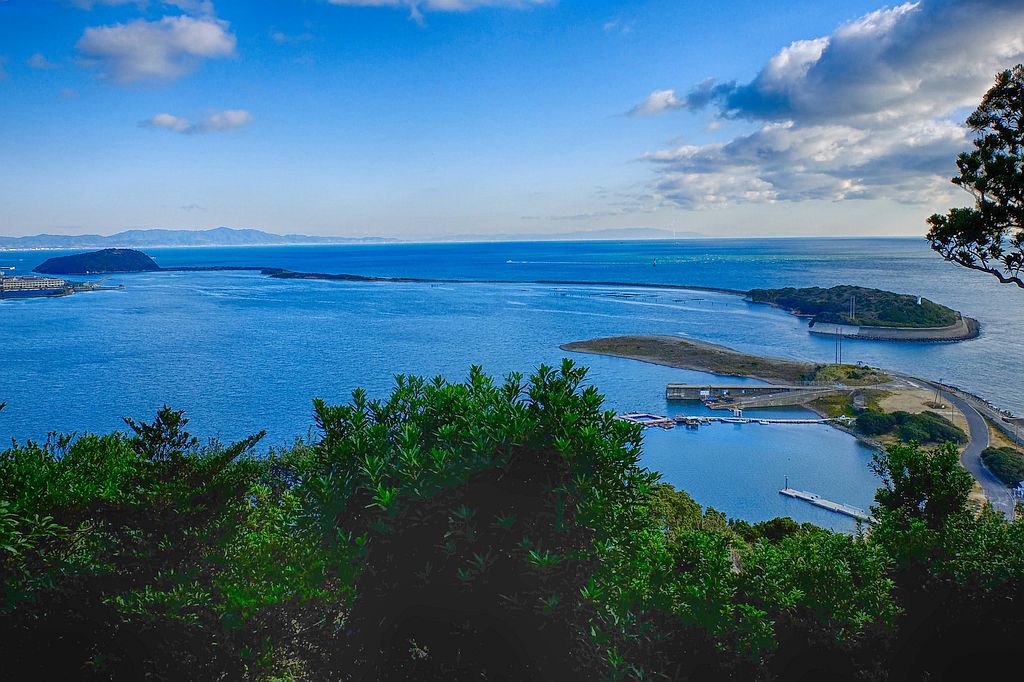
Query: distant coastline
963	328
221	237
162	238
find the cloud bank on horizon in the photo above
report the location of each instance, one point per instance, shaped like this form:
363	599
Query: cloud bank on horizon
867	112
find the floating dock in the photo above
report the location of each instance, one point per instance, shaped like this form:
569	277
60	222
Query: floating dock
837	507
647	419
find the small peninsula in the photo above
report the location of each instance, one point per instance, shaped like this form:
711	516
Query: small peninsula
707	357
99	262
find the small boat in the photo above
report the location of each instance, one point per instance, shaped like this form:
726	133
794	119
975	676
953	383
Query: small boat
763	421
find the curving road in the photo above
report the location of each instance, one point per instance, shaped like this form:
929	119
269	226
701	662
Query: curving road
995	490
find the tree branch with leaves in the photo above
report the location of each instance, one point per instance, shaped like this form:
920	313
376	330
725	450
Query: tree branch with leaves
990	236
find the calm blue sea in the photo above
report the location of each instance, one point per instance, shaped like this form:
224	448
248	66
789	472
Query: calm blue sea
241	352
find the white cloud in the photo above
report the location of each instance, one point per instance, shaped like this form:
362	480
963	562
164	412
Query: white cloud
38	61
418	7
617	26
218	122
153	50
862	113
221	121
658	102
443	5
196	7
289	38
168	122
89	4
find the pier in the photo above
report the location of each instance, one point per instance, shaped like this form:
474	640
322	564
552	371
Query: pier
728	396
648	420
708	392
819	501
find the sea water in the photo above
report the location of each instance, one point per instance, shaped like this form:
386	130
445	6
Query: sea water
242	352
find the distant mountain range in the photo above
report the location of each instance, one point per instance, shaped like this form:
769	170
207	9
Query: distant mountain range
614	233
220	236
227	236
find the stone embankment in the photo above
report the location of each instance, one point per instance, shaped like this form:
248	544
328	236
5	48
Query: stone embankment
964	328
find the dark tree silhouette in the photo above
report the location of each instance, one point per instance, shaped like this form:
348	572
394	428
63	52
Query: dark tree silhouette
990	236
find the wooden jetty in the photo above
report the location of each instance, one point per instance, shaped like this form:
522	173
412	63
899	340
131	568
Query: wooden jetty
819	501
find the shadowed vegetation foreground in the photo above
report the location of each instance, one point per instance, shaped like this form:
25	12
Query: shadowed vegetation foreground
479	530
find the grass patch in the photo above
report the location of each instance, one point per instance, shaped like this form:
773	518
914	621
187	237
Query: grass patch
833	406
851	375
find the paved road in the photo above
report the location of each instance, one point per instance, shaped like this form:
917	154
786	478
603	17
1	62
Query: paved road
995	490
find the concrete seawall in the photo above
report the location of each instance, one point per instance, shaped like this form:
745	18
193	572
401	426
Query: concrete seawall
964	328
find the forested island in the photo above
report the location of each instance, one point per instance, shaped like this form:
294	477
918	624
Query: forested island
857	305
477	530
99	262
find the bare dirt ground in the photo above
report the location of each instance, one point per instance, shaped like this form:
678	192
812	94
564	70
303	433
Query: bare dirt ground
1000	439
917	400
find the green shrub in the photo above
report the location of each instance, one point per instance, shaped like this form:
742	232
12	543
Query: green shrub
875	423
926	427
1006	463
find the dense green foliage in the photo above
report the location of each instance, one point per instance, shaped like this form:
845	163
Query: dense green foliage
990	236
105	260
484	530
874	307
1006	463
924	427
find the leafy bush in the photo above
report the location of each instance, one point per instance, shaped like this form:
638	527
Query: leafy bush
875	423
471	529
1006	463
926	427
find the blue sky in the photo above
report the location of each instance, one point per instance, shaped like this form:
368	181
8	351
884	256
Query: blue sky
419	119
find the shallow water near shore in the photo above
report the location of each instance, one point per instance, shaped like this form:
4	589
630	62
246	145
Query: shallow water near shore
242	352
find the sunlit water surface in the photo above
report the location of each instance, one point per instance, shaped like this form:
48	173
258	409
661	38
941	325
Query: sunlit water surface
242	352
